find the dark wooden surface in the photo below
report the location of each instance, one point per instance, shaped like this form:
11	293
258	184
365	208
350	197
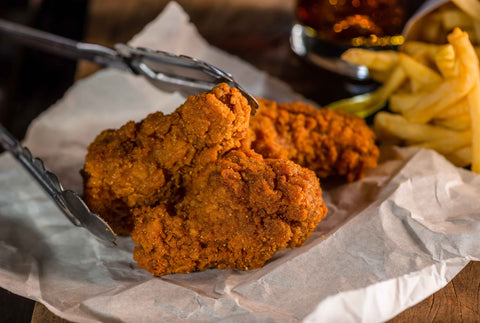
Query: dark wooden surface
258	32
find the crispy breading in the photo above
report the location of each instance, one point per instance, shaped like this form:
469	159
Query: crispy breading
141	164
326	141
197	196
236	213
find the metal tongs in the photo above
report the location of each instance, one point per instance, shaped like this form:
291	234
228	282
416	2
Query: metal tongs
165	71
68	201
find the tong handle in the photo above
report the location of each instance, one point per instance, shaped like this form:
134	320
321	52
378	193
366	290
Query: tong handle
165	71
33	165
182	73
60	45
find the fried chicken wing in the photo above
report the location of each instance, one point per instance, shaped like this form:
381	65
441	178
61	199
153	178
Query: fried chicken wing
326	141
236	213
142	164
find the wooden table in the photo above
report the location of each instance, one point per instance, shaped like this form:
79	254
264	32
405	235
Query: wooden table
258	31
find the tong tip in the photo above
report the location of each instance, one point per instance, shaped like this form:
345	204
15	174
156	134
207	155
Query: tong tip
252	102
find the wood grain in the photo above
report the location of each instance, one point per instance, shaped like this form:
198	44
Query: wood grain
258	32
456	302
41	314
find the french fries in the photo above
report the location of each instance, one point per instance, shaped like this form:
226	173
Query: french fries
452	89
433	94
474	100
397	125
459	123
432	85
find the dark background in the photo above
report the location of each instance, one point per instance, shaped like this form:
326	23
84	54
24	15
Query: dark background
30	81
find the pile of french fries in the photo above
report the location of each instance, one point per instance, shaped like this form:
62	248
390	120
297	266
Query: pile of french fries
433	93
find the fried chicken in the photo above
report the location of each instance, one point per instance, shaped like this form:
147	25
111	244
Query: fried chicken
142	164
236	213
193	193
326	141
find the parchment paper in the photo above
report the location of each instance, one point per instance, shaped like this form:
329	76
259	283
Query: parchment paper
388	241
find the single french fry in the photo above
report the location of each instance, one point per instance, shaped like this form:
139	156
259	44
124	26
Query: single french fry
412	48
451	90
474	100
415	85
425	59
461	107
401	102
374	60
420	75
461	157
395	80
379	76
449	144
445	61
458	123
393	124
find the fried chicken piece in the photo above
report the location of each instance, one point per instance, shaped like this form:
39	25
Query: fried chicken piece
236	213
326	141
195	196
142	164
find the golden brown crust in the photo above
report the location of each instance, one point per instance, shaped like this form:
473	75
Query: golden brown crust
141	164
199	199
197	196
236	213
326	141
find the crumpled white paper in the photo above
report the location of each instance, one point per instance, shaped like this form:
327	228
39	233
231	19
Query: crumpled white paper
388	241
